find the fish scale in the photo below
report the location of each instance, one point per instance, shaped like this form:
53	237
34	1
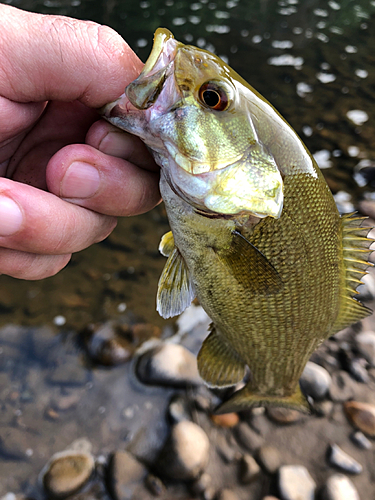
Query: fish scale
256	235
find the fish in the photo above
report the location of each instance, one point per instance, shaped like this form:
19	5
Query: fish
255	234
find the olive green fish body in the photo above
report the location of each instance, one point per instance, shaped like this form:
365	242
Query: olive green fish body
256	235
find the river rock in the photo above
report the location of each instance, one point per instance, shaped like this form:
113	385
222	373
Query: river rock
105	346
249	469
339	487
357	368
178	409
247	437
125	475
343	461
342	387
168	364
66	472
225	420
361	440
269	458
362	415
295	483
365	343
315	380
227	494
284	415
185	453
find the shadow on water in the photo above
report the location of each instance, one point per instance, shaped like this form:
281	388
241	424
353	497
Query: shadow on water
314	61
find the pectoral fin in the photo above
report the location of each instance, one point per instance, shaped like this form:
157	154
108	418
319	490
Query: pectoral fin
166	244
250	267
175	289
218	363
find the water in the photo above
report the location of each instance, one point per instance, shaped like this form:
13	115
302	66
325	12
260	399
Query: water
313	60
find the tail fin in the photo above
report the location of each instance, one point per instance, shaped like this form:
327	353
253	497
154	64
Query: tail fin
244	399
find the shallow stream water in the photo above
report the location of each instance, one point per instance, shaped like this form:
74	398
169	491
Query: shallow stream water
313	60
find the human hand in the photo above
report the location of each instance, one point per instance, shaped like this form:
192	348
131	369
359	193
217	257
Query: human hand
64	175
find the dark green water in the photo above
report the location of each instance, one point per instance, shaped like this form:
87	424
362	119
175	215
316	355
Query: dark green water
312	59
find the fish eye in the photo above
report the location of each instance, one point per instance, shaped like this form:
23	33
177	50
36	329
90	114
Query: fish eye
214	96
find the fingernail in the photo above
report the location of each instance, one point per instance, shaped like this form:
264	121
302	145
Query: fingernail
10	216
81	180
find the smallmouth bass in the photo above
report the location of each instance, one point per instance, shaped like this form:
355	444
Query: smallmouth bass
256	235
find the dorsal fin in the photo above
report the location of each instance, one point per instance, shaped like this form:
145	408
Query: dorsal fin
356	252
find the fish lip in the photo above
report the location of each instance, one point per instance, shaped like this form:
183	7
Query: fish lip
144	90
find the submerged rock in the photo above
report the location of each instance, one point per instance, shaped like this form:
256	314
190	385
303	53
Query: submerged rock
125	475
342	387
365	342
295	483
339	487
249	469
361	440
66	472
168	364
185	453
248	438
269	458
343	461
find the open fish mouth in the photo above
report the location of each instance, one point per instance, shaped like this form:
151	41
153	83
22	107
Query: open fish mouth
144	91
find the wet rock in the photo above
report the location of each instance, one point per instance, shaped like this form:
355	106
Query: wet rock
225	449
249	469
168	364
323	408
269	458
225	420
178	409
343	461
362	415
284	415
315	380
361	440
14	443
295	483
155	485
270	497
202	484
227	494
342	387
365	343
66	472
105	346
339	487
357	368
248	438
125	475
186	451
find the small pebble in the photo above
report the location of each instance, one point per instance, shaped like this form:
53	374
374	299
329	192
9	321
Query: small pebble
295	483
178	409
248	438
270	497
365	343
284	415
269	458
249	469
199	486
155	485
361	440
125	475
323	408
342	387
339	487
227	494
186	452
315	380
66	472
343	461
357	367
362	415
225	420
168	364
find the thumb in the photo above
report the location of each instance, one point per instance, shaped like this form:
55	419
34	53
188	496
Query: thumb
59	58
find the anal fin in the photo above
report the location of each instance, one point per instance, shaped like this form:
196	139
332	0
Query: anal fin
244	399
219	364
175	288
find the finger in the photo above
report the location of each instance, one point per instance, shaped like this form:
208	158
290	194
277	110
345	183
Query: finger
29	266
59	58
35	221
108	185
115	142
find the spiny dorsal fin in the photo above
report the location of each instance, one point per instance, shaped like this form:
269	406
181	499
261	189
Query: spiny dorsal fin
166	244
250	267
219	364
175	288
356	251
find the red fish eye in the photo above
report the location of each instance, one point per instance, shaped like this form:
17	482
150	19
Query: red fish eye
213	96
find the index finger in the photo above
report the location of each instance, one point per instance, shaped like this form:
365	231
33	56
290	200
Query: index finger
60	58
